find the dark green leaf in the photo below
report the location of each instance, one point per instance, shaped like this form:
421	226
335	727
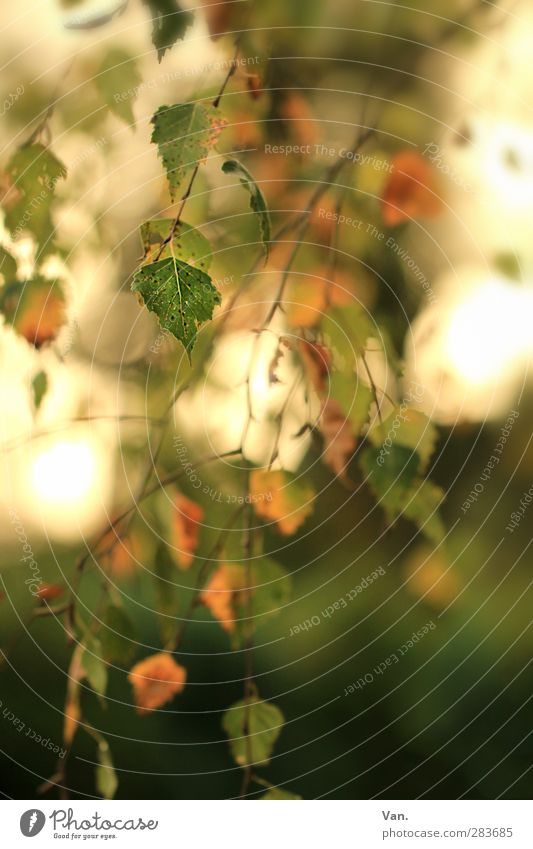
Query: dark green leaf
257	200
181	296
393	476
253	727
117	81
117	636
390	475
184	134
169	23
410	428
39	386
188	244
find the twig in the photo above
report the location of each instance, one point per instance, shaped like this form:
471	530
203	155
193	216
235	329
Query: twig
248	643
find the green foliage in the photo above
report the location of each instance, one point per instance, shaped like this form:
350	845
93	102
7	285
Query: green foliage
39	386
94	667
169	23
346	332
188	244
34	172
181	296
117	636
393	476
411	429
117	80
8	265
257	200
253	726
422	509
354	397
184	134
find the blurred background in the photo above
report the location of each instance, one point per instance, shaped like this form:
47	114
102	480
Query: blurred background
447	86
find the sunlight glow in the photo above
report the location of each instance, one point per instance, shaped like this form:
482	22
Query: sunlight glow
489	331
64	473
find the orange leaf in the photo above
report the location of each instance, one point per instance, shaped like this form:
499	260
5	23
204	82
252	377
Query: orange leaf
278	497
306	301
410	191
301	124
49	591
36	309
72	716
122	560
156	680
222	594
186	519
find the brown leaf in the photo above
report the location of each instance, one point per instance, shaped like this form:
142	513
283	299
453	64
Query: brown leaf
254	84
339	441
300	121
156	680
410	191
317	362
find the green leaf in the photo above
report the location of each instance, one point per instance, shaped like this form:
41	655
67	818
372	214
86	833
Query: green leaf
346	332
39	386
181	296
410	428
34	172
394	479
117	636
257	200
95	668
252	744
8	266
106	777
390	475
509	265
169	23
188	244
279	795
184	134
354	398
422	509
117	80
